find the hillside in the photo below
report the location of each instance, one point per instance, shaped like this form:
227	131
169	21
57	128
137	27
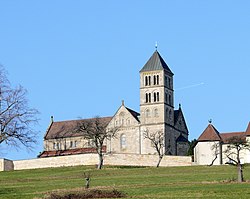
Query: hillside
168	182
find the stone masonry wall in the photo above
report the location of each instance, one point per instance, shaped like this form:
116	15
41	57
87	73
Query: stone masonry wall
92	159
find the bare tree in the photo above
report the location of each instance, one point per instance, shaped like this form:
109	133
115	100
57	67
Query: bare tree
216	148
16	117
235	146
95	130
157	140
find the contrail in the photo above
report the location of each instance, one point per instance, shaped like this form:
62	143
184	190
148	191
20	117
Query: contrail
191	86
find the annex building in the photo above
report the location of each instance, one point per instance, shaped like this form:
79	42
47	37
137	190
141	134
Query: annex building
156	113
212	145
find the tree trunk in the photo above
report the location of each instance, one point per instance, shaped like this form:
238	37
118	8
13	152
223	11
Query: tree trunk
240	173
100	161
239	167
159	161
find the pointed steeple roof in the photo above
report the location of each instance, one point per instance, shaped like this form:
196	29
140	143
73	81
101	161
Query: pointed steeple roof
210	134
156	62
248	130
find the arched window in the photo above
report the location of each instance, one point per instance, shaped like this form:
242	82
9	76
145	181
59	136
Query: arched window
170	115
154	79
146	80
156	114
148	97
157	97
154	97
123	141
147	113
157	79
169	99
149	80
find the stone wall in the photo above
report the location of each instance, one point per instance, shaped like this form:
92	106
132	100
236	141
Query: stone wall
59	161
6	165
92	159
146	160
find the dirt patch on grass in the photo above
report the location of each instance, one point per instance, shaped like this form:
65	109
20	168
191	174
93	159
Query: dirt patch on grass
94	193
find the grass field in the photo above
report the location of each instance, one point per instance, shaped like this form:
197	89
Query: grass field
148	182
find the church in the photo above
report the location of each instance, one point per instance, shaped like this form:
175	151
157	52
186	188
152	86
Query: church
157	113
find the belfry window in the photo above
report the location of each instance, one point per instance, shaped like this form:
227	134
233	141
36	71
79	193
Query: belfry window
147	80
148	97
156	79
156	97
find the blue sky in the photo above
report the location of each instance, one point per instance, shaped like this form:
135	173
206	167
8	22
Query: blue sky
82	58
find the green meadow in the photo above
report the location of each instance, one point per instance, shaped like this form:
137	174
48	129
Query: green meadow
136	182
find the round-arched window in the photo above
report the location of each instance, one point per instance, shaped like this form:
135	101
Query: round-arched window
123	141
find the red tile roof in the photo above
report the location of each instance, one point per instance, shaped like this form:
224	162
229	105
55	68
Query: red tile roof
68	128
210	134
69	152
225	137
248	130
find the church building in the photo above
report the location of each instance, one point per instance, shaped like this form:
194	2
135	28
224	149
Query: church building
157	113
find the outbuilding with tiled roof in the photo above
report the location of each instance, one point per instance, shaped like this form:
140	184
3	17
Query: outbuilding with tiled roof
212	144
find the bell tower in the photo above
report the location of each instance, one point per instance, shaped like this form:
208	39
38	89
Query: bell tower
156	92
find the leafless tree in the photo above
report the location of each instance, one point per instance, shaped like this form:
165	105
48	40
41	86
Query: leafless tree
216	148
157	140
16	117
236	145
95	129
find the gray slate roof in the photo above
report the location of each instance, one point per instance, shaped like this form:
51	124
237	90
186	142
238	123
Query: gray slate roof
156	62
